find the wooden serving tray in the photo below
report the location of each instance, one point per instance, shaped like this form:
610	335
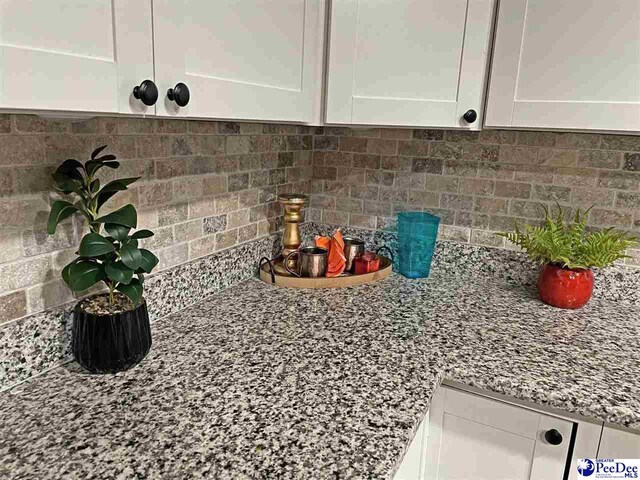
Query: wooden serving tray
344	280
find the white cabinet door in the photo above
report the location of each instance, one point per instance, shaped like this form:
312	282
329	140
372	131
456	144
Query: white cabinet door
407	62
619	444
240	59
566	64
475	437
75	55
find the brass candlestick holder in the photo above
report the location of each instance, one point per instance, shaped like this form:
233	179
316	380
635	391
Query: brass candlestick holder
292	204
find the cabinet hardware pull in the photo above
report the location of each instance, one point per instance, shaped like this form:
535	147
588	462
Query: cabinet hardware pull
553	437
470	116
179	94
147	92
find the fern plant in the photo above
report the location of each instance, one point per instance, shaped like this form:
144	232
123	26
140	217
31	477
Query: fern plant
108	253
569	245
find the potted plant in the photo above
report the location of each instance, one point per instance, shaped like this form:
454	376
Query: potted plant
111	330
568	253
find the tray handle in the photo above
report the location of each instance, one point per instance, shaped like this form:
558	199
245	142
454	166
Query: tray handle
383	248
262	262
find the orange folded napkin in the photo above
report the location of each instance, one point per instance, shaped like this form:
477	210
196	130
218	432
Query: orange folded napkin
336	261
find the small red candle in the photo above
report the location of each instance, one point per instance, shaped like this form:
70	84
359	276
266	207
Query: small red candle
367	263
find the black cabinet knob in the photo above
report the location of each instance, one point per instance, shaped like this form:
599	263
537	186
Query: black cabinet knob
553	437
179	94
147	92
470	116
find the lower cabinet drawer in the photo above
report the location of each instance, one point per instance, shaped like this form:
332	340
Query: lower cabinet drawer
468	436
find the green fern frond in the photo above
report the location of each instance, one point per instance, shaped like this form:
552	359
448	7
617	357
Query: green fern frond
569	245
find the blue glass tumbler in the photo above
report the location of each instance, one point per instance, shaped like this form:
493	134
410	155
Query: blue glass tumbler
417	232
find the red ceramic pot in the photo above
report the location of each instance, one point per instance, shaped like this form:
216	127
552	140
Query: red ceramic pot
564	287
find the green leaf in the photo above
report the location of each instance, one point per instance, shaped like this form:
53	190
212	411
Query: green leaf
105	158
142	234
149	261
118	232
85	274
133	290
119	272
111	188
66	184
131	255
65	271
126	216
97	151
70	168
94	244
60	210
95	185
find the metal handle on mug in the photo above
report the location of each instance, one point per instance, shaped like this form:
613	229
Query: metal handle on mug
286	263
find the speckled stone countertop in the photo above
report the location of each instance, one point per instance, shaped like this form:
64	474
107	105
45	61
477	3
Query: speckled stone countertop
266	382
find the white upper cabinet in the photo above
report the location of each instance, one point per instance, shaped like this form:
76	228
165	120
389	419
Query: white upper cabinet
407	62
75	55
566	64
248	60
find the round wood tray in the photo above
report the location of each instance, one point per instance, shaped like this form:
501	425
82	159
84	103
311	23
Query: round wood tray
344	280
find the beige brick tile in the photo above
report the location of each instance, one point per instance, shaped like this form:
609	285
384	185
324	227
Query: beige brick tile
534	173
514	154
446	150
600	159
496	170
393	195
557	157
498	137
396	163
382	146
352	205
48	295
413	148
458	234
247	232
186	231
185	189
461	168
471	219
484	237
13	305
580	177
551	193
336	218
23	212
512	189
155	193
543	139
396	133
621	180
406	180
491	205
202	246
377	208
578	140
585	197
353	144
23	273
226	239
23	150
526	209
172	256
610	218
456	202
440	183
424	199
362	221
477	185
171	214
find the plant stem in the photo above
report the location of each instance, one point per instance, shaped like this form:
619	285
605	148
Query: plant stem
111	289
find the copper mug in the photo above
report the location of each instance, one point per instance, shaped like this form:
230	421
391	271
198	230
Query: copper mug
312	262
353	247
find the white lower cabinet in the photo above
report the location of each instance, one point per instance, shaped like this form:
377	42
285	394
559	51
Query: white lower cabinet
467	436
619	444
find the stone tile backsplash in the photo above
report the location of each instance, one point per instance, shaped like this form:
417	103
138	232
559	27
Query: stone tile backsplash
205	187
476	182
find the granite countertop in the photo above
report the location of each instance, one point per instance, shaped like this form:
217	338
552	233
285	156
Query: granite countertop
266	382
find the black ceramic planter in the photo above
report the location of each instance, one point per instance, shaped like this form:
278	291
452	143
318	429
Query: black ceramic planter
111	343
